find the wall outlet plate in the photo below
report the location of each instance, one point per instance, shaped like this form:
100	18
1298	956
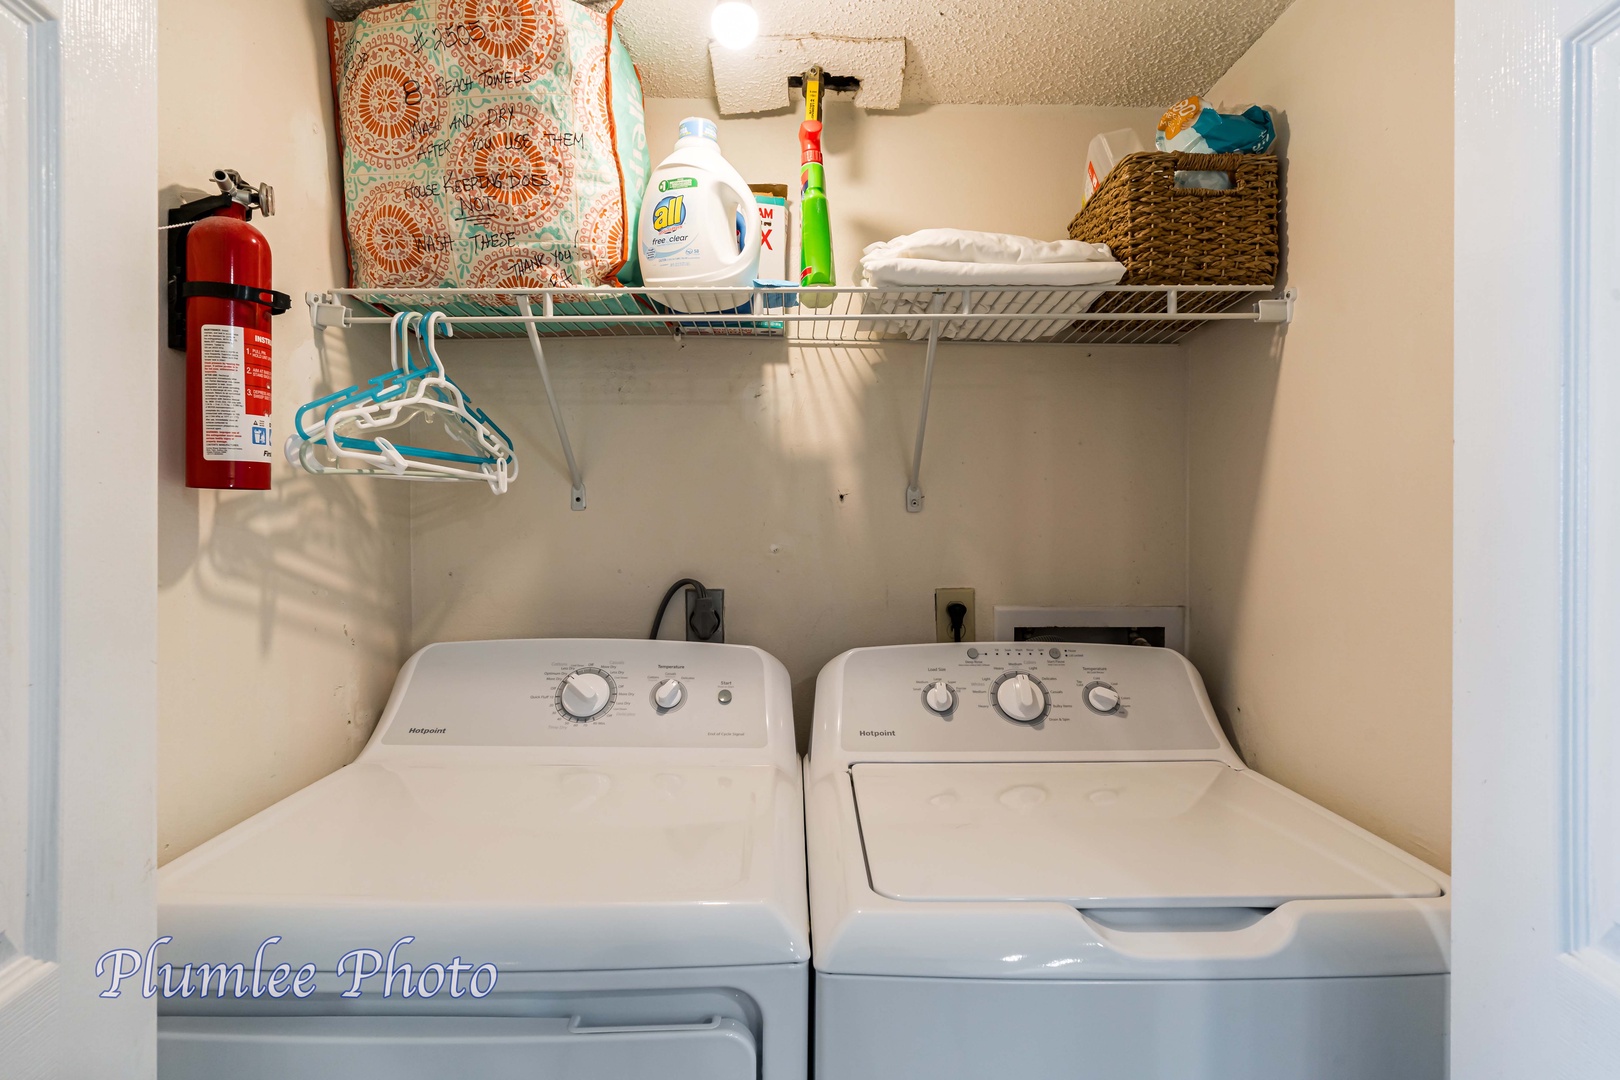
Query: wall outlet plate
943	599
718	597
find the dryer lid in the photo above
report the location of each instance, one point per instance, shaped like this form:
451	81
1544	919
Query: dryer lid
530	867
1115	835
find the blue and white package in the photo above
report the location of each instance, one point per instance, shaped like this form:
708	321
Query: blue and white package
1193	127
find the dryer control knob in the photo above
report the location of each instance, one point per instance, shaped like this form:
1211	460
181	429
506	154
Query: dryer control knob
585	693
669	694
939	697
1021	698
1105	699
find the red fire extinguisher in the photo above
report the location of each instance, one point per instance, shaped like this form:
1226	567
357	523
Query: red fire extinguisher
220	306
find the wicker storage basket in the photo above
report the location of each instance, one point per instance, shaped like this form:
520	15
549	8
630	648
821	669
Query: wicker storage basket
1188	236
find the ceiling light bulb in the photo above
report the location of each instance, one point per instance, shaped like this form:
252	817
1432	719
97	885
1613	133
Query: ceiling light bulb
735	24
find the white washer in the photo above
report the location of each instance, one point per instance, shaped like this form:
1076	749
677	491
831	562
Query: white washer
1047	861
616	826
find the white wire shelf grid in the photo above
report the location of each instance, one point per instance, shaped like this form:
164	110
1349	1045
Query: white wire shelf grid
1106	315
1112	315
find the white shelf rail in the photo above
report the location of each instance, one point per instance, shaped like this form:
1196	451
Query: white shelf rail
844	315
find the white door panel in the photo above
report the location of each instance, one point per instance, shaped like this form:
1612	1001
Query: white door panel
78	348
1536	918
29	983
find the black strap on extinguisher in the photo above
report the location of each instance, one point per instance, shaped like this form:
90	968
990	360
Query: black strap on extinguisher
277	302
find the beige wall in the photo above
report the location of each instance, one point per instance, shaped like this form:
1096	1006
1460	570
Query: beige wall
1053	474
777	474
1320	467
282	615
1312	475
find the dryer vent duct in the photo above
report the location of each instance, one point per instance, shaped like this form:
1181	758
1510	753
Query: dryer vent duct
755	79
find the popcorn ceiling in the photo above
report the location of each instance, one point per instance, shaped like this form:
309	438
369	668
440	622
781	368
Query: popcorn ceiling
985	52
991	52
755	80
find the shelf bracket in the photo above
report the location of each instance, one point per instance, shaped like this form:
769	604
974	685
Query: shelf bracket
577	495
325	312
1280	310
914	495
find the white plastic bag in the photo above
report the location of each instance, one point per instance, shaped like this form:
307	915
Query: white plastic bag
1104	153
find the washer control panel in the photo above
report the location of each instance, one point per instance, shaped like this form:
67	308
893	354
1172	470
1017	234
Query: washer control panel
580	693
1001	696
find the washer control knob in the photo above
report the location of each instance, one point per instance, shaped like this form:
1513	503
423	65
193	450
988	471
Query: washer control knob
585	693
1103	698
939	697
1021	698
669	694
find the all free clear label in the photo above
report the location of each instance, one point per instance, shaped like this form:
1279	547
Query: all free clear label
235	394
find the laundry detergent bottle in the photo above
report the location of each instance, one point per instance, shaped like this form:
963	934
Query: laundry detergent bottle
699	226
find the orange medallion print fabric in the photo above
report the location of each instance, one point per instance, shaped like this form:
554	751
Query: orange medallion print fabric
516	268
481	147
400	239
508	169
391	105
601	238
500	41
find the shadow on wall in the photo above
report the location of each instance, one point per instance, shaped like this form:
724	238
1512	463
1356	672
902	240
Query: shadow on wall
1245	415
1279	118
1245	418
320	42
303	552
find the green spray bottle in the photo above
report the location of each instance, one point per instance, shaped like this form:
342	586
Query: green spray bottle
815	228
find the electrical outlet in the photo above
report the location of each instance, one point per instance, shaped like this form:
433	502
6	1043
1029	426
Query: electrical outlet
944	625
699	615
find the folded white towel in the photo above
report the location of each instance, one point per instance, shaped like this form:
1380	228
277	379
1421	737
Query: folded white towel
1022	276
890	273
965	246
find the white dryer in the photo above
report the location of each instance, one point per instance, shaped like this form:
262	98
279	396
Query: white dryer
1046	861
611	830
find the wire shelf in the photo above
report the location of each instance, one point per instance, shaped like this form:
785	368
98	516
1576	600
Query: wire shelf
1115	315
1110	315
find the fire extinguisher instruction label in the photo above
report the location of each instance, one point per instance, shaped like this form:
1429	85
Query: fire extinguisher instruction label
235	394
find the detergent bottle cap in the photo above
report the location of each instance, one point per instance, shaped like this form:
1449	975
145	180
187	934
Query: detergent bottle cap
810	142
698	127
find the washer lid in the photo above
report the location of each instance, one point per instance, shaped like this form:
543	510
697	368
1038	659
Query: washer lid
530	867
1115	835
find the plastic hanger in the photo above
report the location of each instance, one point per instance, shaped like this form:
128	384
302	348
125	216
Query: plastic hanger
341	433
350	422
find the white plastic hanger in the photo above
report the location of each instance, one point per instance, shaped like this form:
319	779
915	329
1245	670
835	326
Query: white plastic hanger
340	434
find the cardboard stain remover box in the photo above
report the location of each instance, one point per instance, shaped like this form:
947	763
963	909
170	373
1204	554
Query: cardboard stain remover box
776	233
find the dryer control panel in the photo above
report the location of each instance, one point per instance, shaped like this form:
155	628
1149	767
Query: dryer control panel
1021	697
567	693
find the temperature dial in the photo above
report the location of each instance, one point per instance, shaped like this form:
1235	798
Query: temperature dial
939	697
1020	696
585	694
1102	697
669	694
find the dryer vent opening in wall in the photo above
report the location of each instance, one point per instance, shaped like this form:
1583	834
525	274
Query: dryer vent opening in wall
1159	627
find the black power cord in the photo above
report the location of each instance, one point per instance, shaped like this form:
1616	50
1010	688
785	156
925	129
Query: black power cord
705	622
